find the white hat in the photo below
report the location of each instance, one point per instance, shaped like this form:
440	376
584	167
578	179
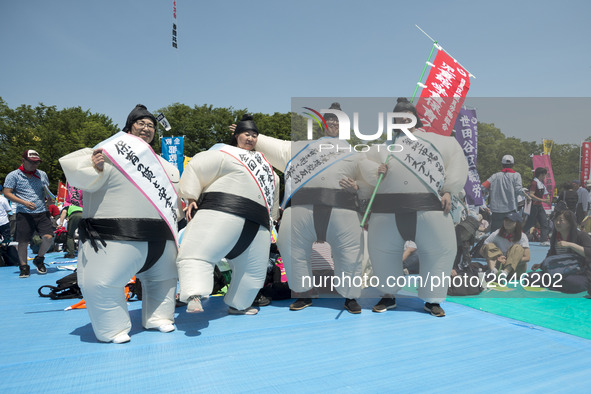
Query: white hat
508	159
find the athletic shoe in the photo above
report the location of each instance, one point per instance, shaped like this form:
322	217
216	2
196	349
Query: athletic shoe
25	271
38	261
352	306
69	256
384	304
194	304
168	327
121	338
261	300
248	311
300	304
546	243
434	309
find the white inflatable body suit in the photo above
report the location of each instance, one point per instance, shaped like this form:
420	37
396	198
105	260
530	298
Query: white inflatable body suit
212	233
298	232
103	274
435	234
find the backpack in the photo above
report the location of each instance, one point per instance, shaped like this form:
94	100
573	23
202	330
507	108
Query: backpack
67	287
564	264
8	255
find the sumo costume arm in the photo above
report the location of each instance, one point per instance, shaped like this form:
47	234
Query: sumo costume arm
203	169
276	151
80	172
456	165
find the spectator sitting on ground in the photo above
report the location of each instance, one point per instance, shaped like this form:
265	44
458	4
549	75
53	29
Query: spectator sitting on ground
410	258
507	249
566	243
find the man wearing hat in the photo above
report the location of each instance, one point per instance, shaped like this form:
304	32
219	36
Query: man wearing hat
26	187
504	188
128	228
583	200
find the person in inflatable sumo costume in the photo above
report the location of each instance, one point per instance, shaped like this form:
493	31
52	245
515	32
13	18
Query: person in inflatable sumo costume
123	234
405	209
232	195
322	208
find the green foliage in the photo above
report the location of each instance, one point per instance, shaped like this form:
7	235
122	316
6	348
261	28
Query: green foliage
51	132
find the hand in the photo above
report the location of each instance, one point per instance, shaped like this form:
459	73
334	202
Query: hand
191	206
563	244
446	202
98	160
535	267
232	127
382	169
349	185
502	259
30	205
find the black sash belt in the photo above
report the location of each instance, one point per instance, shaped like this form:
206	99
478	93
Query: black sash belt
153	231
323	201
255	215
236	205
405	206
334	198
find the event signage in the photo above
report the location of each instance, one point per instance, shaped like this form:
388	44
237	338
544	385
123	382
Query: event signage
585	162
466	129
443	94
173	151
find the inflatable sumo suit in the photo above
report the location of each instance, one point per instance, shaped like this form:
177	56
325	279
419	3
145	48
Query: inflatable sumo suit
434	233
232	220
103	273
320	211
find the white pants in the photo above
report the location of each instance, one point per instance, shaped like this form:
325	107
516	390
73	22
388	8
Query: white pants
296	236
436	248
208	238
102	276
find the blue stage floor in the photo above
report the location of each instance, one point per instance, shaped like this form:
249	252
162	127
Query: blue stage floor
322	348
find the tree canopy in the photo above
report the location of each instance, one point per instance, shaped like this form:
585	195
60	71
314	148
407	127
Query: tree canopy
55	133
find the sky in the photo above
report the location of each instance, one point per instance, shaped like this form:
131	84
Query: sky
107	56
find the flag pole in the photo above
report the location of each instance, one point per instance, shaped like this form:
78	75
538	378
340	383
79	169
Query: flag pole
381	176
441	48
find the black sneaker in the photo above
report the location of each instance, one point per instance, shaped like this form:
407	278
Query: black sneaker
352	306
434	309
261	300
25	271
384	304
38	261
300	304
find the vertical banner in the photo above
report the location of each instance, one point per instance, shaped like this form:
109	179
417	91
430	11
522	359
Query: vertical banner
544	161
61	193
443	94
466	129
174	41
173	151
585	162
548	144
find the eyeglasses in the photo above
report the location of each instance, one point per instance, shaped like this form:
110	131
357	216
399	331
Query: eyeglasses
33	162
332	124
141	125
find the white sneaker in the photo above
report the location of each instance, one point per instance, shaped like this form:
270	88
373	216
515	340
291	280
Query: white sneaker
194	305
121	338
168	327
547	243
248	311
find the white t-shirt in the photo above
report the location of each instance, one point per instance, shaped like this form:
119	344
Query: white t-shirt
503	243
4	209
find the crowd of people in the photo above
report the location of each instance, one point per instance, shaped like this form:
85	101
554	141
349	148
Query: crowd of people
135	215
